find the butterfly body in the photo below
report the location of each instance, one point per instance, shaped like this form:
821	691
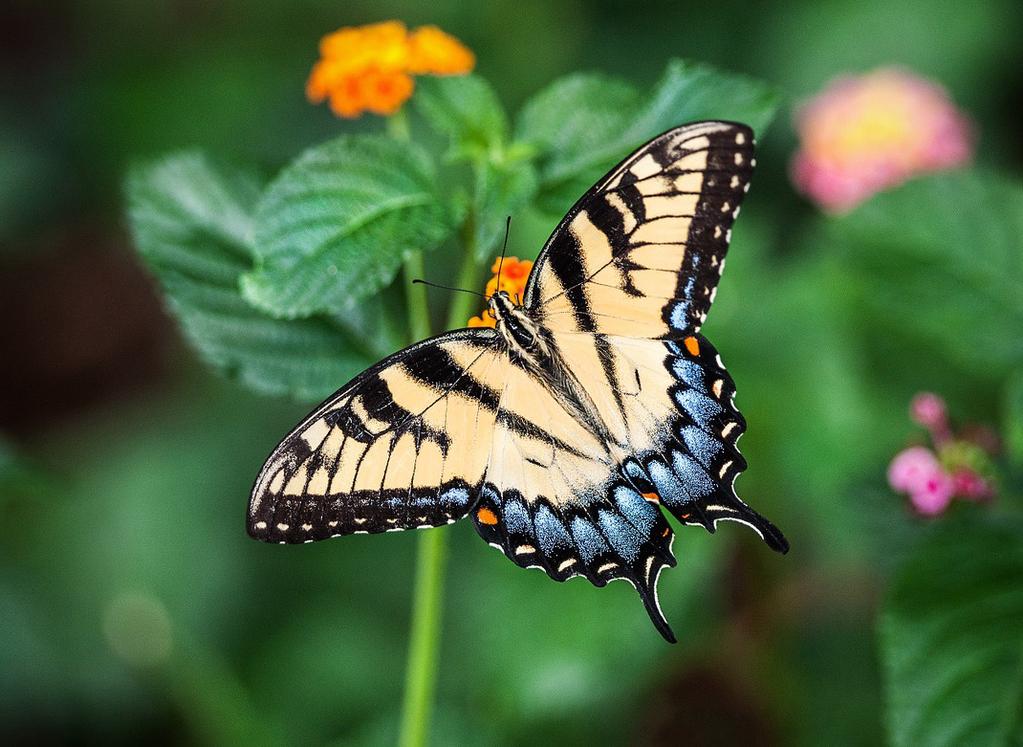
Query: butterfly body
591	406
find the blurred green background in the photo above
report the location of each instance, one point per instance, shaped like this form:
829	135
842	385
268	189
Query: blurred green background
132	605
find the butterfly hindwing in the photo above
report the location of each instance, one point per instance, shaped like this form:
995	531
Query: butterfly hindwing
397	448
555	498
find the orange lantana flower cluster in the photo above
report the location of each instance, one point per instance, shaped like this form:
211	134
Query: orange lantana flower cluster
514	274
370	68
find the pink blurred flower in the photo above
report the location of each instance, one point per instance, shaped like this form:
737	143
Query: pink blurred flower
932	496
866	133
911	468
956	467
929	410
971	486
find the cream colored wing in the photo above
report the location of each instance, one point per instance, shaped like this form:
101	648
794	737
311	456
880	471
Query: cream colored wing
555	498
404	445
641	253
560	498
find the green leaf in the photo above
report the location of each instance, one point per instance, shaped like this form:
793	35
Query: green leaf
503	188
688	92
941	258
575	114
570	119
952	639
191	220
585	124
465	108
335	225
1012	422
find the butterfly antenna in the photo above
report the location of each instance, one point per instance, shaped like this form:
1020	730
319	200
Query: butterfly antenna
446	287
504	250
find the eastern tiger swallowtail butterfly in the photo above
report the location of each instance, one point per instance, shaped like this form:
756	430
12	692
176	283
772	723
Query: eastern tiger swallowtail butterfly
565	430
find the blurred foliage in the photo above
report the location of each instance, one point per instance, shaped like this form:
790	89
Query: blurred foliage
939	261
125	520
192	222
952	638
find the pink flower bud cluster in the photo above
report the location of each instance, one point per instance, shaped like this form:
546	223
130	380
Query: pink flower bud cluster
953	467
866	133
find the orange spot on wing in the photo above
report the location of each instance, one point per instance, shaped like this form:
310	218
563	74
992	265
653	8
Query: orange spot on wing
652	497
486	516
692	345
666	532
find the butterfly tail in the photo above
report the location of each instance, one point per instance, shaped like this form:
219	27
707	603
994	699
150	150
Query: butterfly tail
648	593
737	510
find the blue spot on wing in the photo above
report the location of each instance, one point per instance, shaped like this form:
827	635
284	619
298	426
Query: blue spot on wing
701	445
697	482
455	499
701	407
689	372
550	532
639	511
621	534
634	471
588	539
667	483
679	316
516	518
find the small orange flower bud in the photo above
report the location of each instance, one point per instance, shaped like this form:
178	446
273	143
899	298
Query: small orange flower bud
514	275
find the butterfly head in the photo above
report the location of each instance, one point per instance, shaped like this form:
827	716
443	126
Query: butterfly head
512	321
501	306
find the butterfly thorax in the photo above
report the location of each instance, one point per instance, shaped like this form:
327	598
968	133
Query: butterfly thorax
529	346
516	326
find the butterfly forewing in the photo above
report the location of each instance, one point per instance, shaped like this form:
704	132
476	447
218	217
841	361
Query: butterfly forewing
401	446
640	255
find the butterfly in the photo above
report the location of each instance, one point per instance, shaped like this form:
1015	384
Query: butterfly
568	429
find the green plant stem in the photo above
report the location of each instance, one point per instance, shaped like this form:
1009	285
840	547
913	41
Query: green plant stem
415	298
427	596
462	303
431	554
424	643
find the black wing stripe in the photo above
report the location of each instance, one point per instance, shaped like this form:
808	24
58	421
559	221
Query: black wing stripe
568	268
438	369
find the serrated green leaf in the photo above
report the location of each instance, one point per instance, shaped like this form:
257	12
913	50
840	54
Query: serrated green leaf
586	124
942	259
952	639
575	114
465	108
191	220
336	224
566	122
688	92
